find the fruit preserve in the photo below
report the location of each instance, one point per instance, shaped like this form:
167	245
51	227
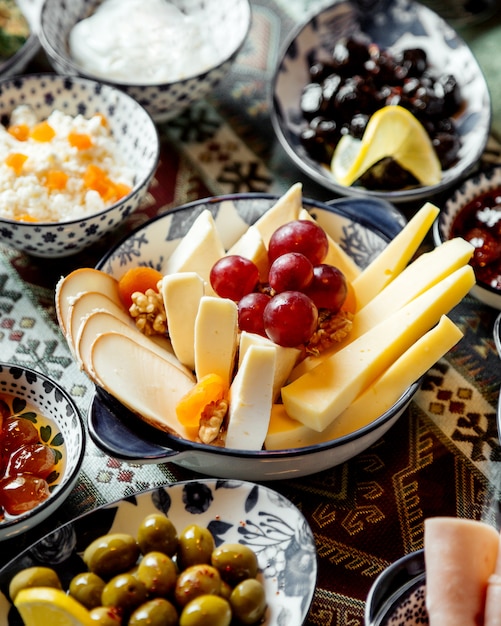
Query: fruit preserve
32	457
479	222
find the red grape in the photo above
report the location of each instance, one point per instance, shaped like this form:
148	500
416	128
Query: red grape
290	318
328	288
250	312
302	236
233	277
290	272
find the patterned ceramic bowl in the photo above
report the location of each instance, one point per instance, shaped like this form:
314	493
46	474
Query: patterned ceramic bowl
397	597
394	26
226	22
361	226
488	286
131	127
236	512
35	397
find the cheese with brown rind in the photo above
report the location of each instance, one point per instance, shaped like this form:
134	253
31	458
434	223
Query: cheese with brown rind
285	432
317	397
397	254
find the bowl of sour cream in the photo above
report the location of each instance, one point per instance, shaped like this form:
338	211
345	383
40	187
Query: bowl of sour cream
166	55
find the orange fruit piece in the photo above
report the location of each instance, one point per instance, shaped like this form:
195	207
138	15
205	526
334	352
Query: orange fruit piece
81	141
20	131
56	180
16	160
43	132
209	389
137	279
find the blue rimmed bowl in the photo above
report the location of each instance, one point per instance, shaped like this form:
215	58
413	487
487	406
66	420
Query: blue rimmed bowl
55	415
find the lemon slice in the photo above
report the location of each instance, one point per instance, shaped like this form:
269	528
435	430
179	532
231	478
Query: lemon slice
394	132
45	605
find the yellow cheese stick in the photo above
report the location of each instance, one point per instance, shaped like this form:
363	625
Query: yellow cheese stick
251	246
427	270
285	210
284	432
317	397
460	555
397	254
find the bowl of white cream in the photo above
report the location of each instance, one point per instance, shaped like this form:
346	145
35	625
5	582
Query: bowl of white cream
166	55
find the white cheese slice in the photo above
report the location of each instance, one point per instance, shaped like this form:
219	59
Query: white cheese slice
285	432
336	256
286	209
251	246
285	358
397	254
317	397
198	250
143	381
216	338
251	398
181	293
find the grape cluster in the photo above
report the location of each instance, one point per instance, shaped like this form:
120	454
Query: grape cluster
286	307
359	78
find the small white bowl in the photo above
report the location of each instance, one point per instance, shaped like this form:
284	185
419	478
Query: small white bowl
471	189
59	413
396	26
227	22
236	512
132	128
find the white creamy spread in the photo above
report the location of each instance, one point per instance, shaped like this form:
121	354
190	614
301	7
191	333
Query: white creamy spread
143	41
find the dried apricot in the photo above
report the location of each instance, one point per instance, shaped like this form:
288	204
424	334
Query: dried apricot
139	279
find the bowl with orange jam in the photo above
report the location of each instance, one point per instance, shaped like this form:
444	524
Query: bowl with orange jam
43	445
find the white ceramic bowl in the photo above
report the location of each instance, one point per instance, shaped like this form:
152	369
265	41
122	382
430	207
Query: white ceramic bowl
471	189
61	417
397	596
227	23
236	512
121	434
132	128
395	26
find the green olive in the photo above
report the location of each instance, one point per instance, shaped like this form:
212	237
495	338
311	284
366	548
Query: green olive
158	573
206	611
124	591
33	577
235	562
106	616
196	545
111	554
248	601
156	612
157	534
226	589
197	580
87	588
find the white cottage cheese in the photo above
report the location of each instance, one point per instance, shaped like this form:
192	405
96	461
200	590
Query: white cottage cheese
25	193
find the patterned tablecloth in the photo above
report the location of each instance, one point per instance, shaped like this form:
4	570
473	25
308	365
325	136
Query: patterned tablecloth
442	456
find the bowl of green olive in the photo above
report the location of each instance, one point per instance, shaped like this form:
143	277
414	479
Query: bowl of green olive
172	555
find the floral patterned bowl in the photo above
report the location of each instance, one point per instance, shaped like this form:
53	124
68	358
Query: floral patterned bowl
43	402
236	512
226	22
363	227
132	128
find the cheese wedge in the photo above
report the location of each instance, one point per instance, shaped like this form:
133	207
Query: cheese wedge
317	397
397	254
181	293
336	255
285	358
251	397
216	338
460	555
251	246
285	432
101	321
144	382
198	250
78	281
286	209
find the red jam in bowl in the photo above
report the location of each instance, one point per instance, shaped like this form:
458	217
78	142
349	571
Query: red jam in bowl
479	222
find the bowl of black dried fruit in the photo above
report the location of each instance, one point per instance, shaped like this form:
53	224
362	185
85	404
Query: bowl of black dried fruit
474	213
383	100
